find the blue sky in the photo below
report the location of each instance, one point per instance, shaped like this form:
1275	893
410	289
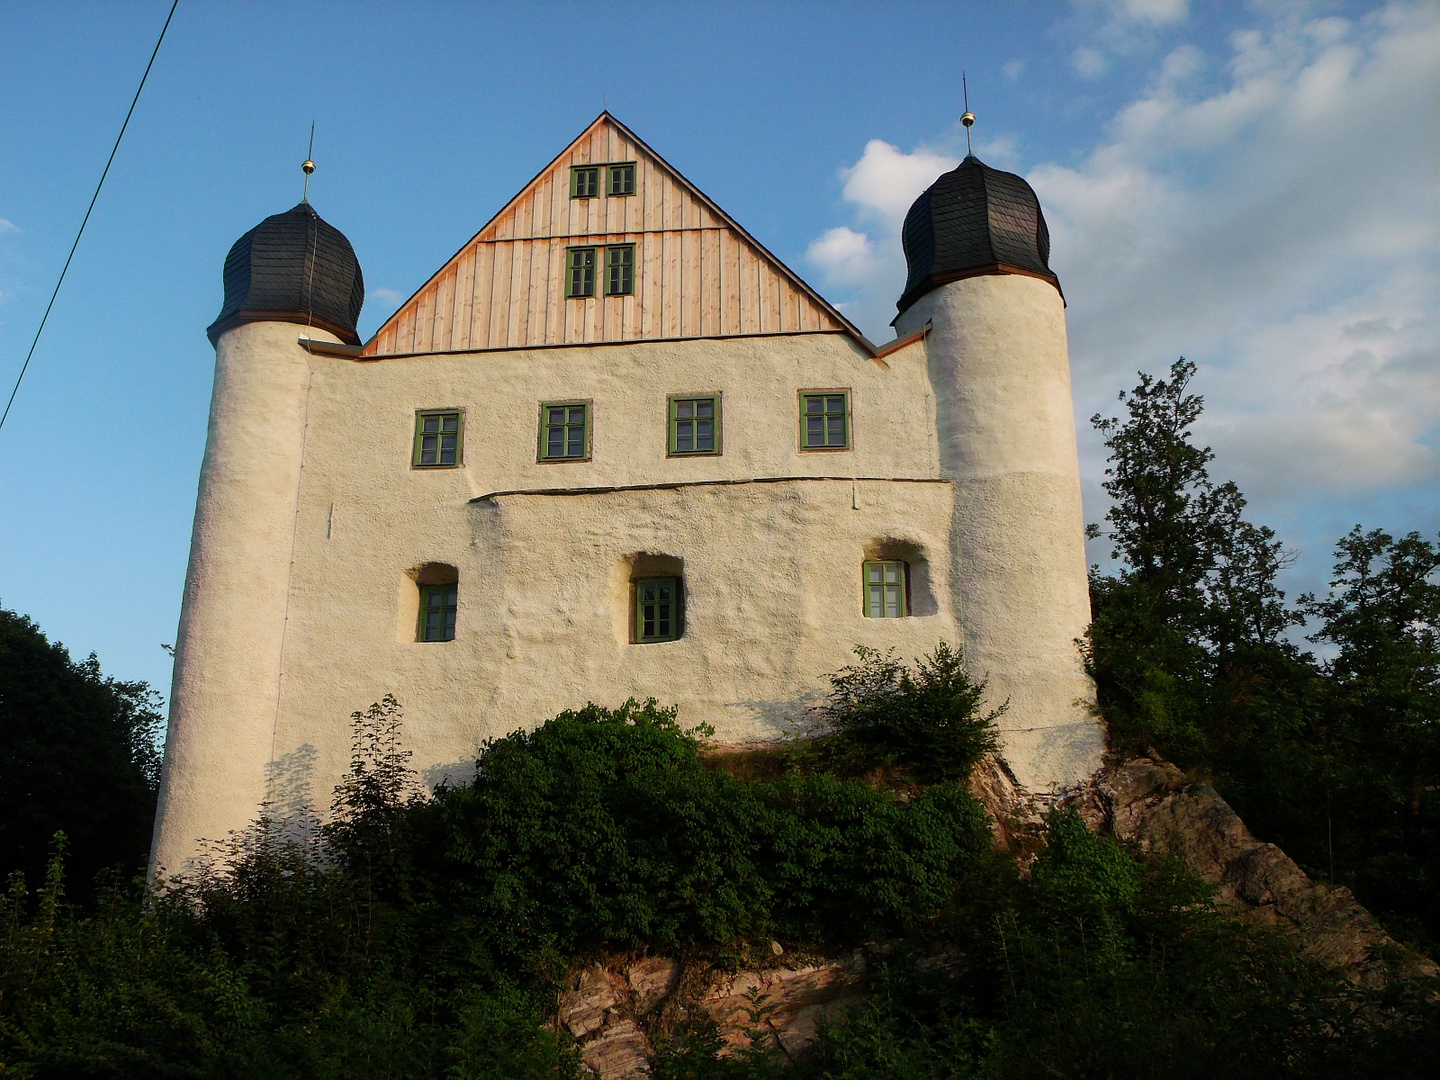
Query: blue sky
1252	185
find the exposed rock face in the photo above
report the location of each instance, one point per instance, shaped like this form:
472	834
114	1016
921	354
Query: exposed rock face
1150	802
612	1009
786	1003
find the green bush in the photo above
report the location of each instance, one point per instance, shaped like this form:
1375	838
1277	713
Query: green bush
928	721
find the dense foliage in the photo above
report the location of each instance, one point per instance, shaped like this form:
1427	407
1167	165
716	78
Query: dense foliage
77	754
426	937
1335	758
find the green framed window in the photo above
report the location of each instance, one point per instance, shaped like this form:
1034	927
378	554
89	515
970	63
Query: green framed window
438	604
657	609
825	420
620	270
437	438
584	181
565	431
580	271
884	583
620	178
695	425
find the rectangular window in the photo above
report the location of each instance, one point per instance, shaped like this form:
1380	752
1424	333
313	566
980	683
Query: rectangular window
565	431
622	179
885	590
584	181
657	609
580	276
619	270
438	604
695	425
437	439
825	420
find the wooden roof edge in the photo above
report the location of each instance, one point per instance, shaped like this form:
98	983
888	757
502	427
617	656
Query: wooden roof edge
900	343
715	208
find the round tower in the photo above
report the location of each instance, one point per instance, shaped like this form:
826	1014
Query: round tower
978	254
292	268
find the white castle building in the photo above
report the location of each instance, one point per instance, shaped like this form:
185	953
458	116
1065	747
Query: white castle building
615	448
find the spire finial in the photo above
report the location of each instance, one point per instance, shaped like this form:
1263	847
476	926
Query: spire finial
968	119
307	166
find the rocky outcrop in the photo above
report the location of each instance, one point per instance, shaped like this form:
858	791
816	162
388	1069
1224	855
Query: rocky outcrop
613	1009
1149	802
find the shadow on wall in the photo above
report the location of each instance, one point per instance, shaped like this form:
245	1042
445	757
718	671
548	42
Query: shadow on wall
628	570
407	596
920	597
784	718
289	794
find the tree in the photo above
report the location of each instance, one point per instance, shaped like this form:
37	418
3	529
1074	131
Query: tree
77	755
1379	717
1194	613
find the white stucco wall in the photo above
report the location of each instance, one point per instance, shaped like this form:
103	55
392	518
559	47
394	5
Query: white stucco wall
224	697
311	523
771	571
999	367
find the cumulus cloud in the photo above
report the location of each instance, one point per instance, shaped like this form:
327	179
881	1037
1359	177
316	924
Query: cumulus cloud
868	265
843	255
1089	62
1231	214
1295	261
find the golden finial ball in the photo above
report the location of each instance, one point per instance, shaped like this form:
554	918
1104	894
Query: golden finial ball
307	166
968	119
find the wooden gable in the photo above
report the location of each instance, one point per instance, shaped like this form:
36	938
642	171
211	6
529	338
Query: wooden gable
697	273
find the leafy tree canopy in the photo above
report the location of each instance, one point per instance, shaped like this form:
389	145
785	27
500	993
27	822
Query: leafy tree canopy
77	755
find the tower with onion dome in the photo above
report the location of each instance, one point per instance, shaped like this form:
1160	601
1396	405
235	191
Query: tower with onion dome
978	253
294	275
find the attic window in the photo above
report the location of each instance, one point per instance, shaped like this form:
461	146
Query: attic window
621	179
580	272
585	181
620	270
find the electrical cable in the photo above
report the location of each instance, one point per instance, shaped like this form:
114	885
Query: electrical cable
66	268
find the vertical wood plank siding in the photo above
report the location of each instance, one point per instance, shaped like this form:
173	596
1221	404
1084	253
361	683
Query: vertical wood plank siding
696	275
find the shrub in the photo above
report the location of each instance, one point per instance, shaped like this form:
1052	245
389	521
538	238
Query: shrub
928	721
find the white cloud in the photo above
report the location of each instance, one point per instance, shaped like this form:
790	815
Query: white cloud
885	181
1013	69
843	255
387	296
1269	210
880	188
1158	12
1089	63
7	226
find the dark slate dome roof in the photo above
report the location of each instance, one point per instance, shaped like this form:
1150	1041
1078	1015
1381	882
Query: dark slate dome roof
974	220
293	267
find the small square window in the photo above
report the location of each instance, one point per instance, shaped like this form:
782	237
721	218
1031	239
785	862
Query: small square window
438	604
657	609
620	270
694	425
585	181
885	588
621	179
565	431
580	273
825	420
437	439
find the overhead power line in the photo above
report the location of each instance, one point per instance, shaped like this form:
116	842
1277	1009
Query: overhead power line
66	268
